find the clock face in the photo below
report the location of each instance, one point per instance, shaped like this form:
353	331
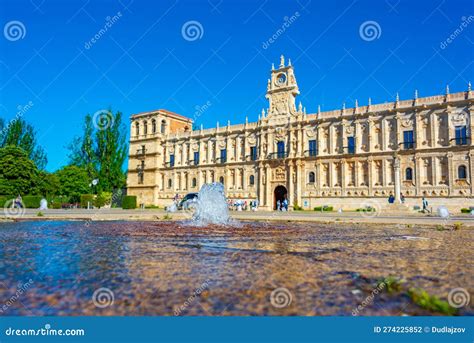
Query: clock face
281	79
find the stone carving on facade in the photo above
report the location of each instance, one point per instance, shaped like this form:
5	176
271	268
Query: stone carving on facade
279	174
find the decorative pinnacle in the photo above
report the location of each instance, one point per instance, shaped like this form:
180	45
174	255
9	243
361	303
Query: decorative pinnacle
343	106
228	123
469	86
263	113
319	109
246	119
397	97
447	89
300	107
282	61
356	103
370	101
273	66
202	127
289	62
416	94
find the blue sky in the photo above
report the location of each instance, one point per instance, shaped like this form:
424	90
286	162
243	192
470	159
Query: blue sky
144	62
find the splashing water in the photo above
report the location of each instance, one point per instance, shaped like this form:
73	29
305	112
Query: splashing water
211	206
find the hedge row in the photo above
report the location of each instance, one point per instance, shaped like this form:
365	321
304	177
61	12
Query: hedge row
324	208
129	202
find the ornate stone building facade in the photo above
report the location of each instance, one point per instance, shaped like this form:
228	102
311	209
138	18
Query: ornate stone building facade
344	158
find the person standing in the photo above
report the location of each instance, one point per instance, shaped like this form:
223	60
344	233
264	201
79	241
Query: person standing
424	203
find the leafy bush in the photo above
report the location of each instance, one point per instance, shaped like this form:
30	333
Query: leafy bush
129	202
430	302
56	202
40	214
32	201
465	210
366	209
86	198
324	208
152	207
102	199
5	198
297	207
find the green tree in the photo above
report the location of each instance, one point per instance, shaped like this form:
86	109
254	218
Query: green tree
21	134
47	184
82	152
111	152
102	150
74	181
18	174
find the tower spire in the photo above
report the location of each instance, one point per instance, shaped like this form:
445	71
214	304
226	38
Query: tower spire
282	61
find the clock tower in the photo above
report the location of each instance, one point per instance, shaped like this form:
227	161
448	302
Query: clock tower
282	90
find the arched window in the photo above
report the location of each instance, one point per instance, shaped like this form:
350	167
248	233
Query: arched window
311	177
137	129
252	180
408	174
221	179
145	127
153	126
170	183
163	126
462	173
194	182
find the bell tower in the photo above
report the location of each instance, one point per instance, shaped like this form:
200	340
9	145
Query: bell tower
282	90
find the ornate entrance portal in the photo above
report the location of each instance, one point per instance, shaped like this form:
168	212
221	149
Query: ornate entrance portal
280	194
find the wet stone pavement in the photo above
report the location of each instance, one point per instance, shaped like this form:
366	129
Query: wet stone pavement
172	268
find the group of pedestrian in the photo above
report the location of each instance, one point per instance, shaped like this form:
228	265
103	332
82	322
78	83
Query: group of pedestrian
282	205
424	202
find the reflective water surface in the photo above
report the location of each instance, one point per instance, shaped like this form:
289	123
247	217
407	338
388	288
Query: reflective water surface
164	268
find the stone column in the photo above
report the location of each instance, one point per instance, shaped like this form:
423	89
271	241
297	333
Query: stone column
356	174
343	177
357	137
268	197
261	182
370	180
291	184
418	168
434	170
298	182
450	173
383	129
434	130
397	190
384	173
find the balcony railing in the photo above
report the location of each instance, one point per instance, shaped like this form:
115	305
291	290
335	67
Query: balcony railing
460	140
278	155
408	145
311	153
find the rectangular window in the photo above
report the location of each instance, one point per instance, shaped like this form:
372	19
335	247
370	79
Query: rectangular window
281	149
461	135
171	160
223	155
350	145
408	142
196	158
312	148
253	153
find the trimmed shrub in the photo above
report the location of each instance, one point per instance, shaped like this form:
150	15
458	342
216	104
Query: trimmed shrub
32	201
129	202
102	199
465	210
85	198
56	202
324	208
297	207
4	199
